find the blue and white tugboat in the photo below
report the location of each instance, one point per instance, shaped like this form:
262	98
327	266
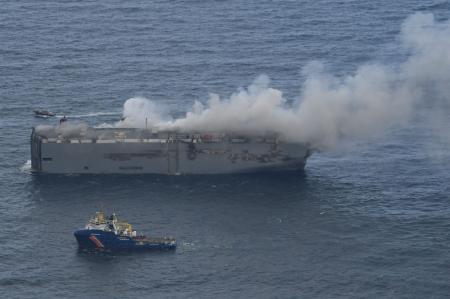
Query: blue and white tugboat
109	234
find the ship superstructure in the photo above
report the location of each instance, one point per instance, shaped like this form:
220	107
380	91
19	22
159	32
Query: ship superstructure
65	149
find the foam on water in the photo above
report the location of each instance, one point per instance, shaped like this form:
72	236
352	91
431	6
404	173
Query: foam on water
26	167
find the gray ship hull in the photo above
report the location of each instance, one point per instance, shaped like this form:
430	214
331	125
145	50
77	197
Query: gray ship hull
135	151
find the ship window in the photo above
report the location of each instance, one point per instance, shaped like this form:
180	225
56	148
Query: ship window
47	159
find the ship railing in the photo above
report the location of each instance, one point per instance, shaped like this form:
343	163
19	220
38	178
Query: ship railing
185	138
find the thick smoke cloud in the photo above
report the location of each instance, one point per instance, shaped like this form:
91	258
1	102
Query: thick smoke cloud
140	112
329	108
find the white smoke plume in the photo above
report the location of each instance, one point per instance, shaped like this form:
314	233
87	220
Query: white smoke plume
329	108
141	112
66	129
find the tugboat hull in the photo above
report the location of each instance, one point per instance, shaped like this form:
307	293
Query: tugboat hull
99	240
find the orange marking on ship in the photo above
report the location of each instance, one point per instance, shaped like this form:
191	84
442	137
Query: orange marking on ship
96	241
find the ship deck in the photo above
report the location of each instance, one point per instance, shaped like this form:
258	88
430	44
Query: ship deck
82	134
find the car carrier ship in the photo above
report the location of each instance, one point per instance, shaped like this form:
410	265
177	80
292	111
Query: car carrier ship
74	149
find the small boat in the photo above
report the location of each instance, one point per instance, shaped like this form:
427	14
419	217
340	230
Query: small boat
109	234
43	113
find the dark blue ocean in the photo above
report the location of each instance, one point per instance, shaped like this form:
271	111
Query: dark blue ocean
367	219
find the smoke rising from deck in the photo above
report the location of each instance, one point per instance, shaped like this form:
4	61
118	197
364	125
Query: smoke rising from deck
329	108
